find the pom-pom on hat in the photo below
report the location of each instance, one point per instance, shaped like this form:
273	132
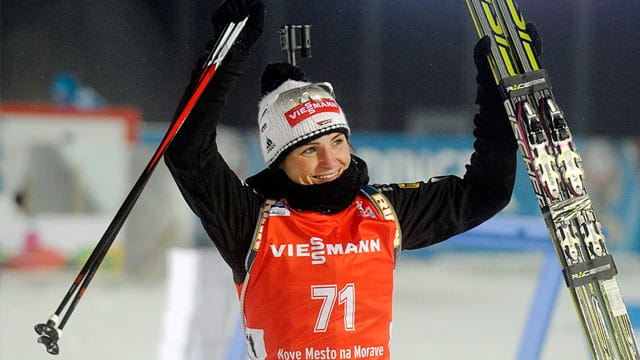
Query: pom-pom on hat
294	111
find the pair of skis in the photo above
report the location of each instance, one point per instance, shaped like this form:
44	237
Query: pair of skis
555	170
51	331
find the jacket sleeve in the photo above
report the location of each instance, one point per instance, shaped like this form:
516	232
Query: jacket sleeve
227	208
432	211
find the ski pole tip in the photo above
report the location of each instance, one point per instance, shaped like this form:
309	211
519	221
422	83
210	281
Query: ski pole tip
49	335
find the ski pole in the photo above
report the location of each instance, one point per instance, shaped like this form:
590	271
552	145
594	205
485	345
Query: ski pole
51	331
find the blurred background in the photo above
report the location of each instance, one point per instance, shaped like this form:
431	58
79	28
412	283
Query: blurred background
390	61
87	90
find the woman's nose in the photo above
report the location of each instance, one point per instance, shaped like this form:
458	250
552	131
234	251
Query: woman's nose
326	157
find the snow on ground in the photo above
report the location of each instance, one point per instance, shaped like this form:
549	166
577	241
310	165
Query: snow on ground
454	305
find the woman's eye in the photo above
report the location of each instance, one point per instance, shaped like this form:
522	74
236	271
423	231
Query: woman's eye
308	151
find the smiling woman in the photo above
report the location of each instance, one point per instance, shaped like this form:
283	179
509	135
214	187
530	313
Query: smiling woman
319	161
311	244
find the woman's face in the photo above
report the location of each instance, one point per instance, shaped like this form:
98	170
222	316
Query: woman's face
319	161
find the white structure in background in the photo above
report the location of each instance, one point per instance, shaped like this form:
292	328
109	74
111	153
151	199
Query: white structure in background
69	167
201	311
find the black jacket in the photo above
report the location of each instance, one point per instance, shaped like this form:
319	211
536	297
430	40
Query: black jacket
435	210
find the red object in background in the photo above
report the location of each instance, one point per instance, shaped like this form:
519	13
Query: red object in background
35	256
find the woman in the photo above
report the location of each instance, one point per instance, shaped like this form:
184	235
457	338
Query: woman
312	246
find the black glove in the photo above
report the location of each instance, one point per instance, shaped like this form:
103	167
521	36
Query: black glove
487	89
536	40
235	11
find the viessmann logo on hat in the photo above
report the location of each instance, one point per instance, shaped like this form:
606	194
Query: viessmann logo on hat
309	108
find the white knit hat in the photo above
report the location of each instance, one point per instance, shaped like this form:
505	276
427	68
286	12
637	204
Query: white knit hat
294	112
